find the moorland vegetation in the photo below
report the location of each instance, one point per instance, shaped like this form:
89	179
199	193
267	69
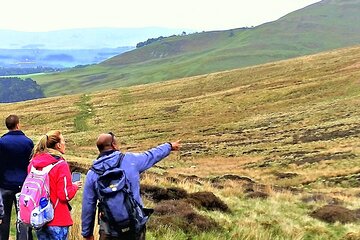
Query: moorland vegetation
269	151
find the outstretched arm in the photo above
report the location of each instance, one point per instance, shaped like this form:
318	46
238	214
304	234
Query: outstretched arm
151	157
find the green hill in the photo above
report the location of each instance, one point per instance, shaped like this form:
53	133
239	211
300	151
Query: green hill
287	132
326	25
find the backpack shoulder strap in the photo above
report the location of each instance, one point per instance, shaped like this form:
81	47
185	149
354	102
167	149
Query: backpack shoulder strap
120	159
46	169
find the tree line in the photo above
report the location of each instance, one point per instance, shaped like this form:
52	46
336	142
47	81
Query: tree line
13	89
151	40
8	71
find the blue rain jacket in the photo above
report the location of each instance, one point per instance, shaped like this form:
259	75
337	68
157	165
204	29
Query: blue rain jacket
133	164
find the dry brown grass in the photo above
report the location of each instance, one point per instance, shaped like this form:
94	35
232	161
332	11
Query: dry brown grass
299	116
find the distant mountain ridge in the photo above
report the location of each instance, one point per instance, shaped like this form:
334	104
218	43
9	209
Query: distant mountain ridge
56	58
322	26
73	47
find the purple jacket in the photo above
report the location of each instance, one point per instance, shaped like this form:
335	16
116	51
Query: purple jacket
133	164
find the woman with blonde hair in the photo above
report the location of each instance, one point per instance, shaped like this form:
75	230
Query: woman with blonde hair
48	151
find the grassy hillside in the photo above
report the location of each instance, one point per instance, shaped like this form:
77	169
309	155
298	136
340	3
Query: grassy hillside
321	26
275	142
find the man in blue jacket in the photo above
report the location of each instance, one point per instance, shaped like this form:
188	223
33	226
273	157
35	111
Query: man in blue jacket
15	153
133	164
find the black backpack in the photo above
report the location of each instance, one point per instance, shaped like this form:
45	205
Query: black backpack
117	207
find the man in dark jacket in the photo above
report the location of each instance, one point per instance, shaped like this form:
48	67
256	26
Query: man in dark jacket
133	164
15	152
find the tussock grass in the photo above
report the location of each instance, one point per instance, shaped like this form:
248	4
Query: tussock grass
299	116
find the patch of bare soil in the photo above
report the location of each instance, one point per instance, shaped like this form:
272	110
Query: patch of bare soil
280	175
233	178
158	194
335	213
207	200
178	214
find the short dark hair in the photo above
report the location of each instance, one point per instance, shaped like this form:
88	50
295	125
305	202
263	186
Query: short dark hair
11	122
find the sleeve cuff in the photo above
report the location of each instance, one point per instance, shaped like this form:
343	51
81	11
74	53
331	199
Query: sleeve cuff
171	147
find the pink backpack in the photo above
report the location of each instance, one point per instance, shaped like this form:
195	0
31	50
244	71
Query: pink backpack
34	204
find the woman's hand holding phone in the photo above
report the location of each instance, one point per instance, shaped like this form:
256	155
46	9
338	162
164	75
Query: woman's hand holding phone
76	177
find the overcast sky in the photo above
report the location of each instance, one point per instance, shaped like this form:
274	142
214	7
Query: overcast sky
199	15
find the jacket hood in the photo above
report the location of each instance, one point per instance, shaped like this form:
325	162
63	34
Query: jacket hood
107	161
42	160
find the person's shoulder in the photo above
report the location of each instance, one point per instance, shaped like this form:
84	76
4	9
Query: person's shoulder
18	135
28	138
25	136
91	176
4	137
61	166
91	173
58	160
128	155
61	161
28	141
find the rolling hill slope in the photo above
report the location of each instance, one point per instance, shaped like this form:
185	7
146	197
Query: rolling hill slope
292	125
293	104
326	25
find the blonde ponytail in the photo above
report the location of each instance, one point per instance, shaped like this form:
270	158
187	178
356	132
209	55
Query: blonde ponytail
40	146
49	140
